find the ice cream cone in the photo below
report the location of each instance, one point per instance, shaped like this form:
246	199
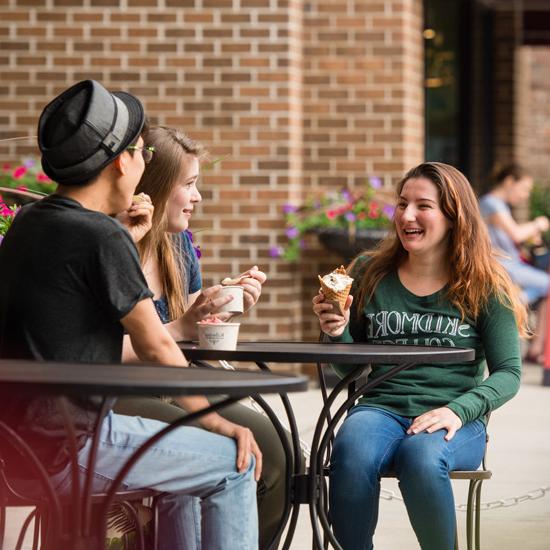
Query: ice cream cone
331	285
339	297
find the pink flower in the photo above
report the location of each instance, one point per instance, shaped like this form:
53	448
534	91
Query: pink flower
21	188
340	210
19	172
373	211
42	178
6	167
331	214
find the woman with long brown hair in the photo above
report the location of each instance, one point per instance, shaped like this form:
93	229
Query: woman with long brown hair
433	281
173	274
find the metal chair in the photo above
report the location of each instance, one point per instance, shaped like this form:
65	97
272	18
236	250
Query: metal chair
18	196
12	494
474	477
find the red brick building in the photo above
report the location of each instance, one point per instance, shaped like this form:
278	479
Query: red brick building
296	95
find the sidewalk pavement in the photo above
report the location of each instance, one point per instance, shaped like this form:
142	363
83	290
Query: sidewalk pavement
518	455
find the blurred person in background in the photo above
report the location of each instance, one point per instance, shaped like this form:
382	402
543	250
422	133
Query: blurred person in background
510	186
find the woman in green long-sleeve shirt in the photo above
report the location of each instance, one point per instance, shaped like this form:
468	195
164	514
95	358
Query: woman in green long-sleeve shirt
433	281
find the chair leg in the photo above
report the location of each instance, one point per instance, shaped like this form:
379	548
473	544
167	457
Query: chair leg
470	515
325	504
24	528
36	536
478	516
155	507
456	535
2	523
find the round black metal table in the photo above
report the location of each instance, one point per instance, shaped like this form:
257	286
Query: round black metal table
308	488
26	378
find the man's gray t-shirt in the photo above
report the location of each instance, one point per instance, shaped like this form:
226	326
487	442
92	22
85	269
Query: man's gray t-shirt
489	205
68	276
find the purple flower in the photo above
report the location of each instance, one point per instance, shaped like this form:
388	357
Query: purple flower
289	209
28	163
1	238
350	216
197	249
375	182
389	211
275	251
292	232
347	195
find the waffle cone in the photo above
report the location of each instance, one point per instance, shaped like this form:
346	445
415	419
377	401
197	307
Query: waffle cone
338	298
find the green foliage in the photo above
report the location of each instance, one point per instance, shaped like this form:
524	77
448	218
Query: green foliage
539	205
539	202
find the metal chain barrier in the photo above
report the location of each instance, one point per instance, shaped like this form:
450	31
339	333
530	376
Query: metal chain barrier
491	505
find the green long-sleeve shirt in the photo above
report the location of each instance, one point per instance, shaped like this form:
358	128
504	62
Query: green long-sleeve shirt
396	316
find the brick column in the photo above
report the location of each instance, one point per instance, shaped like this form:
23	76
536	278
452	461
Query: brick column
508	90
363	101
537	155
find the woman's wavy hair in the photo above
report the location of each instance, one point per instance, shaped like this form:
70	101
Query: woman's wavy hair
475	273
173	153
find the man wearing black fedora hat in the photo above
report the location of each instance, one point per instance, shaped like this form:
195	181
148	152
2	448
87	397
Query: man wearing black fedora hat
71	284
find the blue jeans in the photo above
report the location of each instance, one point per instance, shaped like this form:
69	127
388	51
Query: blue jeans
372	442
187	462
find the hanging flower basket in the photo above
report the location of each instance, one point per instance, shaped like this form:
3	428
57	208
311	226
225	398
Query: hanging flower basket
347	246
346	221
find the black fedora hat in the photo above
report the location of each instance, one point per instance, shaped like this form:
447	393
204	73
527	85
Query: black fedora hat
84	129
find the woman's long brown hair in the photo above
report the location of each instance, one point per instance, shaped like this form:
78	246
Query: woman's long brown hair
173	153
474	274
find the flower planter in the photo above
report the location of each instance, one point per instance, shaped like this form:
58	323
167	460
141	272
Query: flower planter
340	242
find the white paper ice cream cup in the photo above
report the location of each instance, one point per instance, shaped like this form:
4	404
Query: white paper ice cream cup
218	335
236	305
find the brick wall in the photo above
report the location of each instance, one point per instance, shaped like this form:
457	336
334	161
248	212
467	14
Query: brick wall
537	155
295	95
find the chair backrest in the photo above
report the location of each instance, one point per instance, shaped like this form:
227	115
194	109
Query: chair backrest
18	196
